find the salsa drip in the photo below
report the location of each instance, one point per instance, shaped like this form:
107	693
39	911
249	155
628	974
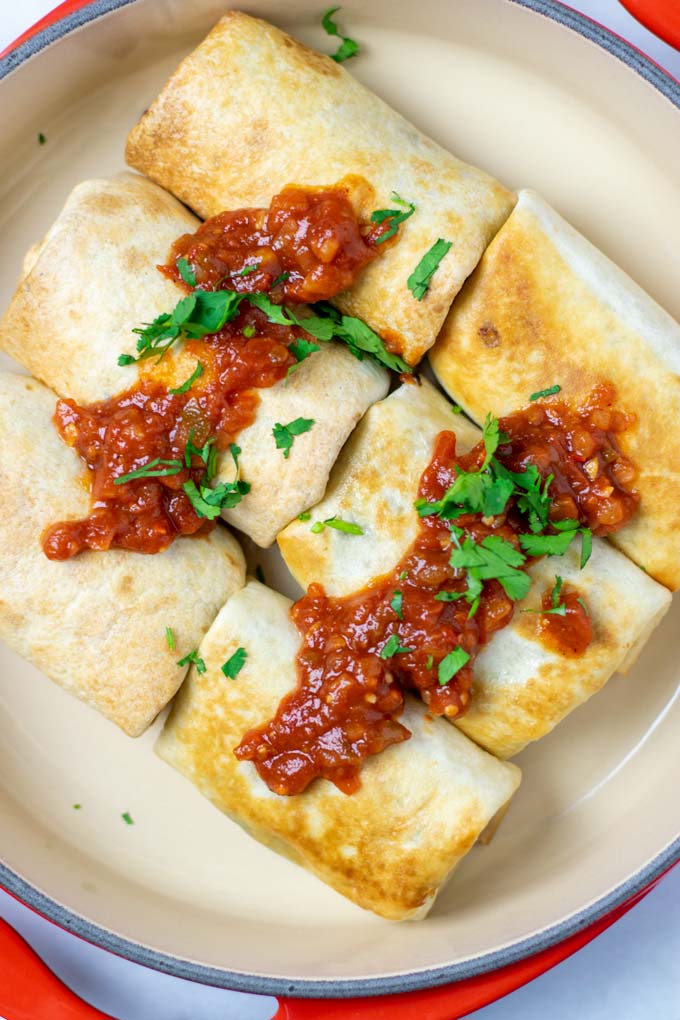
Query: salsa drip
310	237
350	690
311	234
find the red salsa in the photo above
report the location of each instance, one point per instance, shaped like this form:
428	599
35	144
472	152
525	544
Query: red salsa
312	239
414	628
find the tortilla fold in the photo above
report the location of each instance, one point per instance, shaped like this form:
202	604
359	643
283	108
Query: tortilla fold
389	846
546	308
522	689
94	279
95	624
285	114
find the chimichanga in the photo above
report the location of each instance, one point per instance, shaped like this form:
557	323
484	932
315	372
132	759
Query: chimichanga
546	308
288	115
390	845
96	624
94	279
522	687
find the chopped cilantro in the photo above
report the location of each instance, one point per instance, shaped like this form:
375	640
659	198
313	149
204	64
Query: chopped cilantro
188	383
492	437
339	525
393	647
449	596
583	605
247	270
209	502
456	409
41	138
586	546
493	558
77	807
547	545
451	664
304	516
419	280
235	663
284	435
193	659
557	608
155	468
403	575
194	316
348	47
555	593
396	603
248	331
301	349
186	272
545	393
127	818
392	217
430	662
280	279
170	638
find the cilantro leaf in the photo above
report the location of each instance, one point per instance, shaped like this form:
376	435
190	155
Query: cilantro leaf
586	545
396	602
170	638
393	647
127	818
188	383
545	393
547	545
492	437
348	47
583	605
451	664
301	349
449	596
235	663
338	524
155	468
284	435
393	217
419	280
555	593
193	659
492	559
186	272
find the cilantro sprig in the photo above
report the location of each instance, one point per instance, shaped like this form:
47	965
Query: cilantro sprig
207	501
156	468
284	435
392	217
348	47
419	280
192	658
348	527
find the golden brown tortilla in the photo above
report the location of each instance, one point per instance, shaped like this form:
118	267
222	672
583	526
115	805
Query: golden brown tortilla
545	307
522	688
252	110
94	279
96	624
388	847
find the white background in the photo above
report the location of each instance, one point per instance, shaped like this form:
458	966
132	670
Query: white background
631	972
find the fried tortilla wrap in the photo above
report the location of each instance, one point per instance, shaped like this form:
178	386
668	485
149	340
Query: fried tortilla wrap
522	687
252	110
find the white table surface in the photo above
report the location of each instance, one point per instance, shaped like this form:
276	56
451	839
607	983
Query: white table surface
631	972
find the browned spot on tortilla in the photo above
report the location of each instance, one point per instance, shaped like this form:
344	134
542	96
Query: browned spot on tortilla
489	334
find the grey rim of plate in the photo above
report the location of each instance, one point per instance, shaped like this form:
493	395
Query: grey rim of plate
393	985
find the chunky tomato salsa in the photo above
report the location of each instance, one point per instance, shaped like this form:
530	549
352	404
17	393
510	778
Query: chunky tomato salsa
151	451
539	480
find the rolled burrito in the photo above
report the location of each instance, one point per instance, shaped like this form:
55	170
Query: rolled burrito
389	846
97	624
94	279
546	308
288	115
522	687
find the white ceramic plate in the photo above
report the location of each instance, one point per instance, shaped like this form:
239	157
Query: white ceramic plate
539	104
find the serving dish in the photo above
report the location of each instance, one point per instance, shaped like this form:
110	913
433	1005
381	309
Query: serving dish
606	780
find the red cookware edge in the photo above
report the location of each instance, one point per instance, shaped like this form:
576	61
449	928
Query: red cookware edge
28	988
662	17
33	984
